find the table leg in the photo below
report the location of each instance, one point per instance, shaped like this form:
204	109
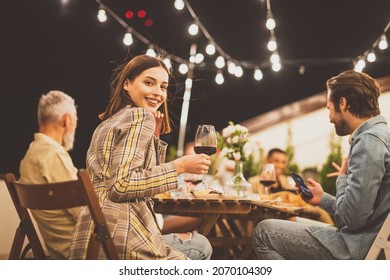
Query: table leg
208	223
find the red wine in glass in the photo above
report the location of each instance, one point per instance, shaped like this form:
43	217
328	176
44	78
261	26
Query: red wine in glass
267	183
208	150
205	143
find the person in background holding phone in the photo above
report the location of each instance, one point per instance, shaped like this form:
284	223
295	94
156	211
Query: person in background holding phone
126	163
362	199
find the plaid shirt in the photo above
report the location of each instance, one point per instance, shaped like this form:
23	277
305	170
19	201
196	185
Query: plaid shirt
125	162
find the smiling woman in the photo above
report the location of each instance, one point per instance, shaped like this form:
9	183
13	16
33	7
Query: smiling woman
126	163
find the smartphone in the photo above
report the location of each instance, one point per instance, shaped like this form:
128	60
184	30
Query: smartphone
306	193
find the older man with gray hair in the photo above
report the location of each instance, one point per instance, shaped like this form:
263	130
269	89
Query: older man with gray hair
47	161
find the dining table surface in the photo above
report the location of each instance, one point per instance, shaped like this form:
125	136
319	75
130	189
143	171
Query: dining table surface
228	221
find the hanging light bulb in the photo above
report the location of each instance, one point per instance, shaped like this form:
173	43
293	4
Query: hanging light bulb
275	58
272	46
301	70
231	67
199	58
193	29
210	49
128	39
219	78
151	52
179	4
192	58
270	23
220	62
167	62
359	66
258	75
102	16
371	57
383	42
183	68
276	66
238	71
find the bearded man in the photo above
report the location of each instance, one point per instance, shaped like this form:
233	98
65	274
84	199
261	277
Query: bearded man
362	200
48	161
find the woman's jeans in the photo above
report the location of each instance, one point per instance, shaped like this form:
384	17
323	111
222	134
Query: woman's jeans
197	247
280	239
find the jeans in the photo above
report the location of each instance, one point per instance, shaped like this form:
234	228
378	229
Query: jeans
197	247
280	240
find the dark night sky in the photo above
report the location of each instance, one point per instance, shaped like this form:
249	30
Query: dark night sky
45	46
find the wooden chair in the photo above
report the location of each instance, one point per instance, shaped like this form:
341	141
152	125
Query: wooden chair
54	196
381	242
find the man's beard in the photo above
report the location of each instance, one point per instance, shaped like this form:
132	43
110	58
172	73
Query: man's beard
341	127
68	140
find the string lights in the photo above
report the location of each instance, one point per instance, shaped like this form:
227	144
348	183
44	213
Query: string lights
223	61
369	55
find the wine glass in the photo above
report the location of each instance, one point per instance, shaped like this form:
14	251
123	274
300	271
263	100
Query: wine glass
267	176
205	143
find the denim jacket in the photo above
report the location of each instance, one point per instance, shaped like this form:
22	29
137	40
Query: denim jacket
362	199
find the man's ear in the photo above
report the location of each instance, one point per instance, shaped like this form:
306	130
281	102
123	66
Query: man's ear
343	104
65	121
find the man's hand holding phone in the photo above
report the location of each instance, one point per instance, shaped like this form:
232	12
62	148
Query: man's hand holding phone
316	190
312	192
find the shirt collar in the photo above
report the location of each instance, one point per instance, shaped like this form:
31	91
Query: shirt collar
366	125
43	137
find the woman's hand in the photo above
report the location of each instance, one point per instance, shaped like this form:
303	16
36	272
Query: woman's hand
196	164
158	116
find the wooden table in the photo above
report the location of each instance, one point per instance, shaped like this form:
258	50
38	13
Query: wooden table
227	221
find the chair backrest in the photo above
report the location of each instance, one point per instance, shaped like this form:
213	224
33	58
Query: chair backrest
52	196
381	242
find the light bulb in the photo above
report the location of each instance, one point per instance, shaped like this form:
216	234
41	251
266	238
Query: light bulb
231	67
270	23
151	52
272	46
359	66
220	62
258	75
275	58
183	68
210	49
193	29
383	43
276	66
371	57
199	58
102	16
192	58
301	70
219	78
128	39
179	4
238	72
168	62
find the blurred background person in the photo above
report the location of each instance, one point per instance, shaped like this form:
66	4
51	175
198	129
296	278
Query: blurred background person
47	161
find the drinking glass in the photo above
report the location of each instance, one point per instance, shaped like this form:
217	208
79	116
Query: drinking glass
205	143
267	176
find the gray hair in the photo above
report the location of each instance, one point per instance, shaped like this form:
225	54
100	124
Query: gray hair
53	106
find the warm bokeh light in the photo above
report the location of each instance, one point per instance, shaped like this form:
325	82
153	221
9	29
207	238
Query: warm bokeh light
102	16
141	13
129	14
148	22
